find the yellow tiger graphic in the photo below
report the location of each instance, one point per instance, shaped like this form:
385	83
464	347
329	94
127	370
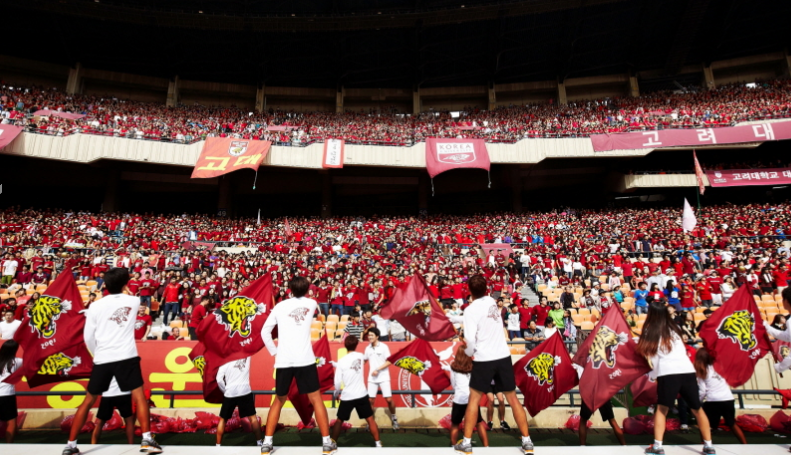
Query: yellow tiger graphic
58	364
542	368
784	351
738	327
602	350
423	307
200	364
413	365
45	312
237	314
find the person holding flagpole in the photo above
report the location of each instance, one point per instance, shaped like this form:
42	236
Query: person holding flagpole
782	335
294	360
661	343
110	335
376	354
484	341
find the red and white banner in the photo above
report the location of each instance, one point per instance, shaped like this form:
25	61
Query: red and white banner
760	132
333	153
446	154
749	177
166	366
8	133
66	115
699	173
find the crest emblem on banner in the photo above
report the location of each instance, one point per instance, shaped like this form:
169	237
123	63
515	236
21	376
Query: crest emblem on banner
237	148
456	152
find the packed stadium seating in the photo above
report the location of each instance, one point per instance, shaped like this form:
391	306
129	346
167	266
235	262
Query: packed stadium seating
725	106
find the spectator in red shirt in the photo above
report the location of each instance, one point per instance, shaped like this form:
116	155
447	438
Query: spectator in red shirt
198	313
540	313
147	289
142	324
171	300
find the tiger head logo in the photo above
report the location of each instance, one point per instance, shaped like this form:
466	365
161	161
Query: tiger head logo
494	313
602	350
200	364
784	351
121	315
45	312
299	314
237	315
413	365
738	327
542	368
423	307
58	364
320	362
357	365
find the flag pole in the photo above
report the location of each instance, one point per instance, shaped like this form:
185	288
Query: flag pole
697	194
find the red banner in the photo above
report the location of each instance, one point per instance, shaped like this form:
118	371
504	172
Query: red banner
166	366
8	133
749	177
760	132
333	153
446	154
221	155
66	115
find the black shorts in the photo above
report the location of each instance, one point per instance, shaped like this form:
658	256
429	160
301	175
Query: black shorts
245	403
8	408
361	405
126	372
720	409
307	378
670	386
122	402
458	412
493	389
605	411
501	370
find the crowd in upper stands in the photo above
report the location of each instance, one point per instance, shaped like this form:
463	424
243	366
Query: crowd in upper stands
108	115
579	259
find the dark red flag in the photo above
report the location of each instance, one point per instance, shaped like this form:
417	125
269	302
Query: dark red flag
545	374
287	229
735	336
233	331
609	360
418	311
643	391
208	365
51	336
321	349
420	359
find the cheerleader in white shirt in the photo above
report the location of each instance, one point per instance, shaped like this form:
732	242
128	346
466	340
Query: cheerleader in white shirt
115	398
8	410
233	378
376	354
716	394
349	372
460	370
661	344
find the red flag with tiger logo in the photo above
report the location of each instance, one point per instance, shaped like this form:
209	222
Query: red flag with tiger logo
545	374
418	311
51	336
735	336
419	358
208	365
233	331
609	359
780	350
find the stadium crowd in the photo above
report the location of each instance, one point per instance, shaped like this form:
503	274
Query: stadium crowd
580	262
110	116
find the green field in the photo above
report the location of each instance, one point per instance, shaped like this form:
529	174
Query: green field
403	438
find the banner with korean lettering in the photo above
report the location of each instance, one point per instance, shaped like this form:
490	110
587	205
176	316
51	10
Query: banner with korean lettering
8	133
166	365
333	153
446	154
221	155
749	177
759	132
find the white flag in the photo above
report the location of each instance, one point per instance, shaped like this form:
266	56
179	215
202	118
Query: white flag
688	220
259	217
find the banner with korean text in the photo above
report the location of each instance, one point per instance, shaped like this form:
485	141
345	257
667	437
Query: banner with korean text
759	132
749	177
221	155
333	153
446	154
166	366
8	133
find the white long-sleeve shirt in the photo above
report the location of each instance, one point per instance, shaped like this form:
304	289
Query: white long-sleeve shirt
714	387
233	378
483	331
292	318
376	357
673	362
7	389
349	372
461	385
110	328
